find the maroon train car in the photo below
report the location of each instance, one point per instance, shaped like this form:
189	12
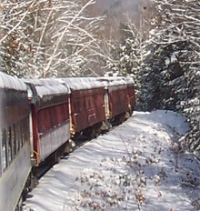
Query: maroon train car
87	104
50	117
118	99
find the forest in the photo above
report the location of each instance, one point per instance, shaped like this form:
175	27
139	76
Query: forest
46	38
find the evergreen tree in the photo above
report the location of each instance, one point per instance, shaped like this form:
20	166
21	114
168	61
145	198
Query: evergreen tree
172	67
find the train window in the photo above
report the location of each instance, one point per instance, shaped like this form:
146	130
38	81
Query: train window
43	114
4	151
13	132
10	145
51	117
43	120
17	137
15	141
47	119
61	113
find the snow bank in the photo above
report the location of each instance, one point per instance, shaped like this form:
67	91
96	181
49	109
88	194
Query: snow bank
134	167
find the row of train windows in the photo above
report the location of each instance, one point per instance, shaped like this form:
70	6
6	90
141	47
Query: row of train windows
85	104
79	105
48	118
13	139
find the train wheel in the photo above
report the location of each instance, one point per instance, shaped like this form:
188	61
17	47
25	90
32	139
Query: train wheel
70	146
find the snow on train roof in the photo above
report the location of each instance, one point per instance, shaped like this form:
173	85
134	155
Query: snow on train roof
114	80
52	86
113	83
45	87
78	83
129	80
10	82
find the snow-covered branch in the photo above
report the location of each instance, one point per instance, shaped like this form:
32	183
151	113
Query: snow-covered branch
172	67
40	38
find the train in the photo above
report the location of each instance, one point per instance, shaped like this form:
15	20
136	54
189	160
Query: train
41	118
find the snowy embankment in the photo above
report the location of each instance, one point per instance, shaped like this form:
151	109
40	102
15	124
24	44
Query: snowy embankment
136	166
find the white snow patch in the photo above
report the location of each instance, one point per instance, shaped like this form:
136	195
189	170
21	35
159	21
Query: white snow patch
133	167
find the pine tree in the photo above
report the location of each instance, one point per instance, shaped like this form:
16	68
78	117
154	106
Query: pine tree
173	64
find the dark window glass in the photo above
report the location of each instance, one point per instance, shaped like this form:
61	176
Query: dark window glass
4	151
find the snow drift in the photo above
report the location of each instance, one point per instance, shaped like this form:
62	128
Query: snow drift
138	165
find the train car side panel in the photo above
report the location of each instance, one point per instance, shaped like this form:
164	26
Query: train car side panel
88	107
50	141
87	103
118	102
14	179
78	111
15	141
53	128
50	120
99	104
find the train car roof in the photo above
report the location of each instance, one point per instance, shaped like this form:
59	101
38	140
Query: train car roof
48	87
78	83
114	80
10	82
52	86
129	80
114	83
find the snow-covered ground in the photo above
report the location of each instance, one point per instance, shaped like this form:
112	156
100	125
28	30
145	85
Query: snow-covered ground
136	166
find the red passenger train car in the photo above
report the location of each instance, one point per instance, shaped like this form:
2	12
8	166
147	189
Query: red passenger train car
120	98
50	118
86	104
39	116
